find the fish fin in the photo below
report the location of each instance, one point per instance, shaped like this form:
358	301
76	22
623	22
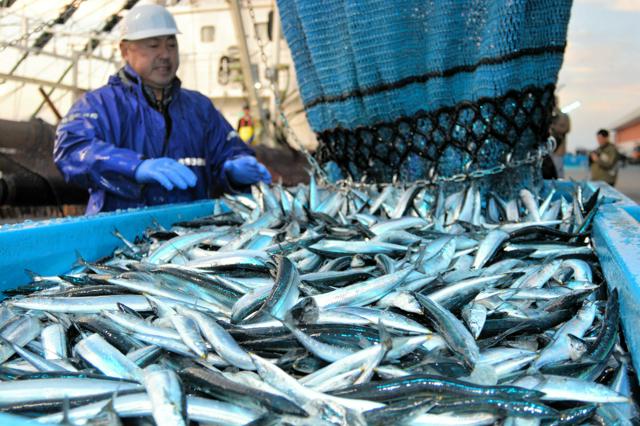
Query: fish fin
154	303
127	310
577	339
306	311
483	374
61	318
492	341
117	234
382	261
182	253
365	231
65	411
80	261
157	225
505	281
588	218
385	336
591	202
80	331
108	408
32	275
422	250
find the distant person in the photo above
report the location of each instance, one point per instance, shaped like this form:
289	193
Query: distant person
560	126
245	127
604	161
144	140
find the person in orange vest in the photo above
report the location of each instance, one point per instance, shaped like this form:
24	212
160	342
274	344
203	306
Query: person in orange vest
246	130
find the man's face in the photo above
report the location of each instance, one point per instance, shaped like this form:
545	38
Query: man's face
155	59
601	140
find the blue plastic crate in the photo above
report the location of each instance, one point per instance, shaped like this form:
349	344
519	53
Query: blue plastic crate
616	235
52	246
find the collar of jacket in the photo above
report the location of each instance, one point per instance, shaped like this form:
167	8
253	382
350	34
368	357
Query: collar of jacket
605	146
128	77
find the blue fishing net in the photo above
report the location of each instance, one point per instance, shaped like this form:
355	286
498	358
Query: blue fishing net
444	91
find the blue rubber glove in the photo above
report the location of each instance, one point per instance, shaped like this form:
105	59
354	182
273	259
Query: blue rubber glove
167	172
246	170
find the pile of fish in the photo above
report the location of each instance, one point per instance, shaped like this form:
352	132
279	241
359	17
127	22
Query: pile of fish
349	304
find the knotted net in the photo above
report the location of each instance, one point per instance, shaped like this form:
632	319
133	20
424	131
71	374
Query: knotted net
445	91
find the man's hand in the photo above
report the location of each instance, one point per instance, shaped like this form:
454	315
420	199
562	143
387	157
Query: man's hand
246	170
594	157
167	172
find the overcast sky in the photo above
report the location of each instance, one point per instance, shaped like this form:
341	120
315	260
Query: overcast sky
601	67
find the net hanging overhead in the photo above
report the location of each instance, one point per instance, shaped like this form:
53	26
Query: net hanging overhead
437	90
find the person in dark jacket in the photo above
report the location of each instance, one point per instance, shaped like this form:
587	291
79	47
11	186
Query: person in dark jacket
604	160
142	139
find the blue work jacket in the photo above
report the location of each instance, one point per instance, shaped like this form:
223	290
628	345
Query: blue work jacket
111	130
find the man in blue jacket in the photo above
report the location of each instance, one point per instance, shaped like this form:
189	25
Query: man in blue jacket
142	139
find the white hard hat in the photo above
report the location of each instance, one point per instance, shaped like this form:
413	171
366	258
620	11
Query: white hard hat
148	20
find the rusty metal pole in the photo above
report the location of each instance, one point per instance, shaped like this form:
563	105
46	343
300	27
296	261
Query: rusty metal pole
275	61
250	79
51	105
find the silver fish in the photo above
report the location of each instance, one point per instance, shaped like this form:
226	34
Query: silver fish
168	403
99	353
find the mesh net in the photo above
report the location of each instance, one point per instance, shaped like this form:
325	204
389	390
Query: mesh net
428	90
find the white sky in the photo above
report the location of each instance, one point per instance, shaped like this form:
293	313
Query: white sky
601	66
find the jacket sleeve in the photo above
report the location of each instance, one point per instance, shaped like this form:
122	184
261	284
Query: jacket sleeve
224	144
86	155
